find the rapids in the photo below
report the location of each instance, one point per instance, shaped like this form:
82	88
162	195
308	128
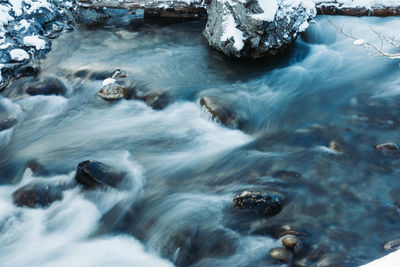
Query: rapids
185	167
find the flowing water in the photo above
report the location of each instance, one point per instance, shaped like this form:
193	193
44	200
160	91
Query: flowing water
185	168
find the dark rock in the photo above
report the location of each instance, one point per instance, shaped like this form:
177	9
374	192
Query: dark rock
258	202
37	195
392	245
94	174
240	29
286	175
281	254
156	100
387	147
7	123
37	168
8	117
47	86
220	111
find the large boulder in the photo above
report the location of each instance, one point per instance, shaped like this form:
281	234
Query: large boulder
255	29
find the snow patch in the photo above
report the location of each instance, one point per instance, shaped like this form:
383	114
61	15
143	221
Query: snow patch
108	81
359	42
231	31
35	41
367	4
19	55
270	7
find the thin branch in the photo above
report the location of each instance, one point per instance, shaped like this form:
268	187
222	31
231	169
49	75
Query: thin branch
367	45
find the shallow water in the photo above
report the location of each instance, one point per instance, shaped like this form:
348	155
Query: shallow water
184	168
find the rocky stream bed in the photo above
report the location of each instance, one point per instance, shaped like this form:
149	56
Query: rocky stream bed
132	142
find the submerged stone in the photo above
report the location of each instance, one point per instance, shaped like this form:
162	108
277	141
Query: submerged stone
387	147
46	86
220	111
286	175
258	202
392	245
154	99
94	174
37	195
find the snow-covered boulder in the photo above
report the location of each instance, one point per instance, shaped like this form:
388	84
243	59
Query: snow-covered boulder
256	28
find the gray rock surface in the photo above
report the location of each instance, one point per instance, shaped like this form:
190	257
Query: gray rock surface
242	28
26	30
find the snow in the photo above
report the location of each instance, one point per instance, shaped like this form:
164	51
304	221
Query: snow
390	260
367	4
231	31
108	81
270	7
359	42
35	41
23	24
19	55
303	26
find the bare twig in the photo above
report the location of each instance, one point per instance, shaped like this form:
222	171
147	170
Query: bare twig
394	42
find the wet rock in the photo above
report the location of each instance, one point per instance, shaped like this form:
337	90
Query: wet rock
292	242
94	174
220	111
7	123
37	195
8	118
377	120
256	29
37	168
392	245
331	259
335	145
258	202
113	90
286	175
387	147
154	99
281	254
46	86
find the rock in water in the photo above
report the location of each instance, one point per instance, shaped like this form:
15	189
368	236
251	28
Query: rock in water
47	86
37	195
94	174
8	116
392	245
385	147
281	254
256	29
220	111
258	202
113	90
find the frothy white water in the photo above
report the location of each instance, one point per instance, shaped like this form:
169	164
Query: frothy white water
61	234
